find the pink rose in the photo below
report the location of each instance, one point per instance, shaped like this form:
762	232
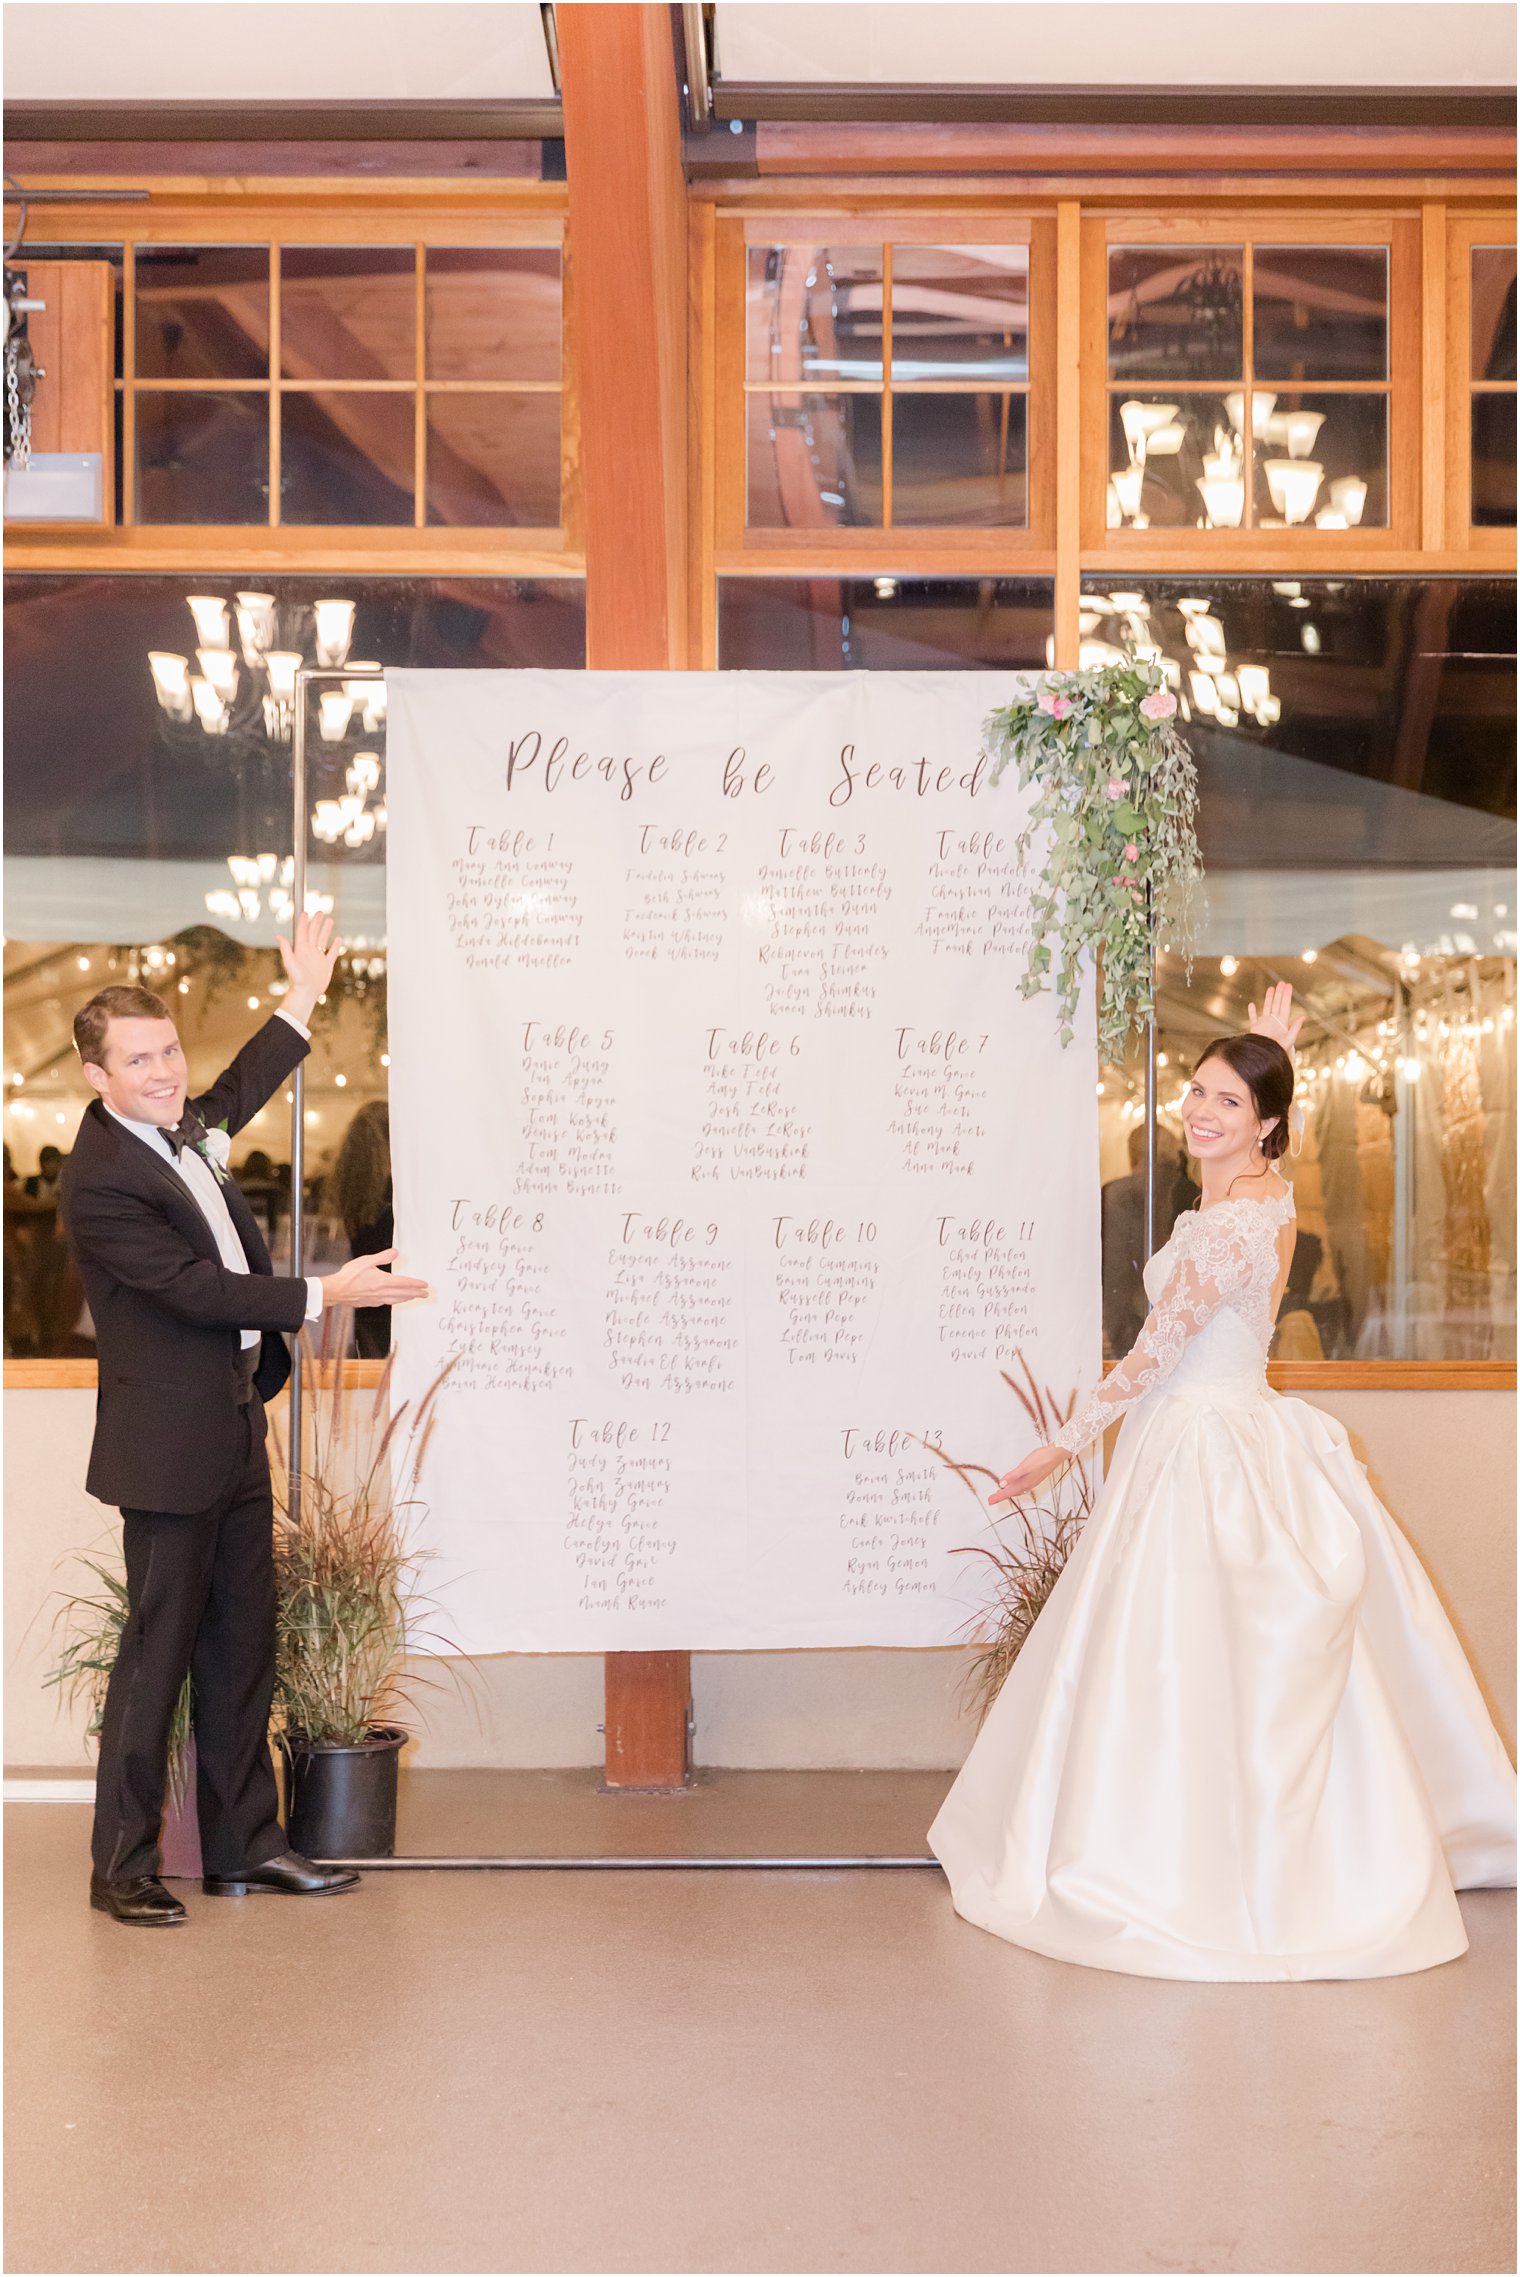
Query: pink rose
1132	852
1160	704
1057	706
1116	789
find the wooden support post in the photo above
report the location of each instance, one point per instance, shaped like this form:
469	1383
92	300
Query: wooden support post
1068	594
648	1697
626	249
626	242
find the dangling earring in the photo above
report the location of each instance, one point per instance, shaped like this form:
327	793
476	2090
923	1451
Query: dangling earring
1297	1121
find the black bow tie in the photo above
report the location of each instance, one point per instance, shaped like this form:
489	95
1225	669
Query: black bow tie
188	1131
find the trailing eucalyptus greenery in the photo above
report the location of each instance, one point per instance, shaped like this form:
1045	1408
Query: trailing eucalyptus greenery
1117	792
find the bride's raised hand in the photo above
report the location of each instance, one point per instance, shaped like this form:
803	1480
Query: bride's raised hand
1030	1473
1276	1017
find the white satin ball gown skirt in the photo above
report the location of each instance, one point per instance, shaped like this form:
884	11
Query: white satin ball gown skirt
1242	1741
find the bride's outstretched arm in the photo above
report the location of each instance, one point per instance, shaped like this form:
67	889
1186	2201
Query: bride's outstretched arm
1217	1265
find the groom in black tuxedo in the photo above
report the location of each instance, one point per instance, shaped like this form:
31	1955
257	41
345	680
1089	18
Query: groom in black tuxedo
190	1321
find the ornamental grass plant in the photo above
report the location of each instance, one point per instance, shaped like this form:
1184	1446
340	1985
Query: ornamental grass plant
92	1629
348	1571
1026	1564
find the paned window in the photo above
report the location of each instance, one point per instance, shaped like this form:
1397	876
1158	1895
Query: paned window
886	386
347	386
1247	386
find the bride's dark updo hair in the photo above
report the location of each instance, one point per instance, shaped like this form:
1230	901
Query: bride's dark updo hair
1267	1073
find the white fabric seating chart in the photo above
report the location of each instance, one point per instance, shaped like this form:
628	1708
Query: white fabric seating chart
738	1165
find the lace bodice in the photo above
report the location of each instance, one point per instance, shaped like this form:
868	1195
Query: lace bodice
1220	1261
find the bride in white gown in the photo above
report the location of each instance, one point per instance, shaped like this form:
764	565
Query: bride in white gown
1242	1741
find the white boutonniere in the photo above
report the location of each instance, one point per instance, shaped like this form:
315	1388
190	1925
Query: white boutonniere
216	1148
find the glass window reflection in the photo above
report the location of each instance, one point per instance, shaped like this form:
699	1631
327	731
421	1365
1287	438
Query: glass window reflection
493	460
202	456
1319	312
1493	461
1322	461
814	313
879	624
493	312
1493	312
121	806
1176	313
1355	742
348	457
959	460
202	312
960	312
814	461
1176	462
348	312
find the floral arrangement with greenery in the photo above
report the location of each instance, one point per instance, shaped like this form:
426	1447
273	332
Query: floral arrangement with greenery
1117	792
1027	1569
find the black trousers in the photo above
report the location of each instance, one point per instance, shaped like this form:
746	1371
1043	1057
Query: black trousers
201	1598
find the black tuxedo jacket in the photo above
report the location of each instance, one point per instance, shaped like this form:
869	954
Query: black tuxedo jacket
167	1312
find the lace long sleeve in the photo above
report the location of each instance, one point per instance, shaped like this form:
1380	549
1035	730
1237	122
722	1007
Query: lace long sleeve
1217	1264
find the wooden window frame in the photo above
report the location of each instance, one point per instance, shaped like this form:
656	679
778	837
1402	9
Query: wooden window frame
280	212
1298	550
1026	549
1490	548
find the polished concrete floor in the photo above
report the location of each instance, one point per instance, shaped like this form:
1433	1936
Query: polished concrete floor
804	2070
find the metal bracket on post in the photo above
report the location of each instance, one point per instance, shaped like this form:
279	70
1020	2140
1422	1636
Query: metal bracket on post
307	675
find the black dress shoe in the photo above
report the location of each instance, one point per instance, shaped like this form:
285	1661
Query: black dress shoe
296	1877
142	1901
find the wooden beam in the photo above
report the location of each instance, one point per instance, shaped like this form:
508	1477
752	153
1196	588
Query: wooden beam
627	244
891	148
626	249
1285	1375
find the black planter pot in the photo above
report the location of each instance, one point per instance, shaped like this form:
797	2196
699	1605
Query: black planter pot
340	1802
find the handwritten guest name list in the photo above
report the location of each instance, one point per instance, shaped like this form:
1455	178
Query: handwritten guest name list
738	1165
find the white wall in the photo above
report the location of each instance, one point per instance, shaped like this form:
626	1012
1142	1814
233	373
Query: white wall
1443	1461
251	51
1094	43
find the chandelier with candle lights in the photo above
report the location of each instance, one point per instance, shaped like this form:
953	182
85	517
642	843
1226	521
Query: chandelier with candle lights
238	709
245	685
1294	478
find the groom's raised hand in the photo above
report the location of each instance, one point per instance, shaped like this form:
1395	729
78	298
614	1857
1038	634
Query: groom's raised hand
309	958
365	1281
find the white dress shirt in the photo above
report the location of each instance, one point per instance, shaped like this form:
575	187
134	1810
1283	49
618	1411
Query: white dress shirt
204	1184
